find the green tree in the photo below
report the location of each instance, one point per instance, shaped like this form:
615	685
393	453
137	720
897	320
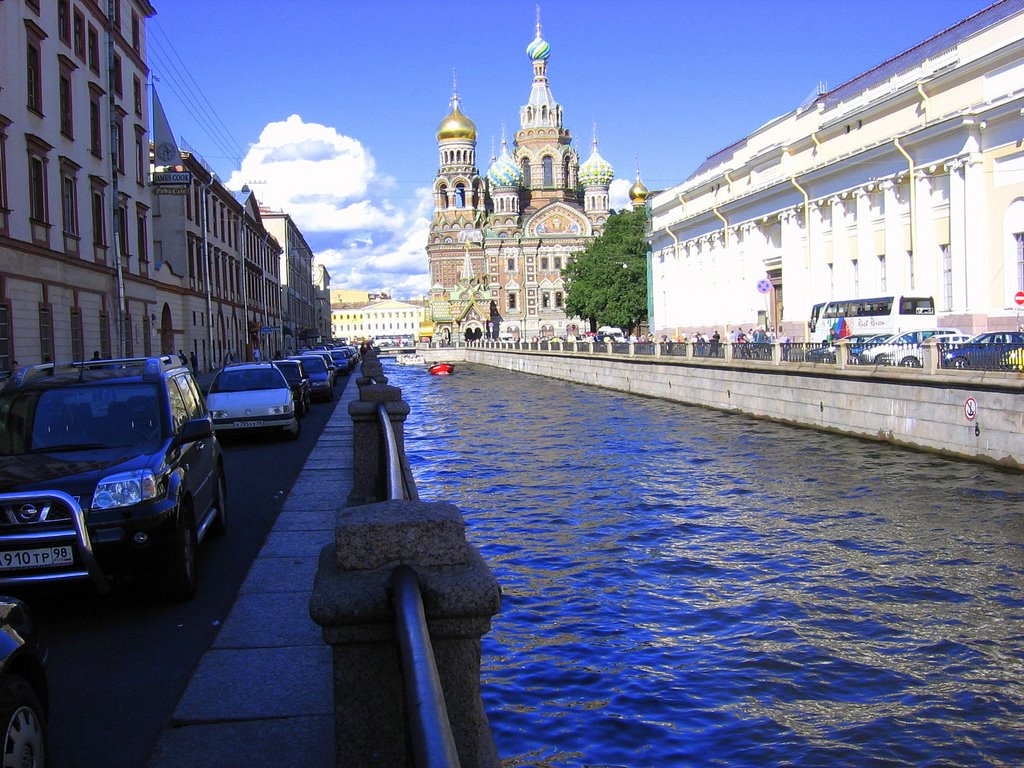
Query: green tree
606	284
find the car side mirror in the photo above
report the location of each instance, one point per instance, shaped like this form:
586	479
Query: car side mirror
193	430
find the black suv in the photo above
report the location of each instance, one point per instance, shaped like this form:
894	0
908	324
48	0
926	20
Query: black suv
107	468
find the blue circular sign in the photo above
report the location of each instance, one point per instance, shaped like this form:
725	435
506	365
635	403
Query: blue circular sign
763	285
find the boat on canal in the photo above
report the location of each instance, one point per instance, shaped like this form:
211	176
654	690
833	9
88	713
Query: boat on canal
442	369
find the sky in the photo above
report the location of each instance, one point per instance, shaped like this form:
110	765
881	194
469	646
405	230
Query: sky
328	109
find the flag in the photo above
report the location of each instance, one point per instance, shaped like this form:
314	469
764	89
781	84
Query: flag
165	149
841	330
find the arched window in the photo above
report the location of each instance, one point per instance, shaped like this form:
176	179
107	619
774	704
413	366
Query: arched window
549	174
460	195
527	181
442	196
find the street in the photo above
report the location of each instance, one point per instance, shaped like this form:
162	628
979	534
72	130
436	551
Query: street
119	662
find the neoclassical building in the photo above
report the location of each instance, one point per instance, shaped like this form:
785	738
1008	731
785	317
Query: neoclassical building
907	179
498	242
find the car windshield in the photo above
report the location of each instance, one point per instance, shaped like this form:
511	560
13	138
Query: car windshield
247	380
291	372
67	419
315	364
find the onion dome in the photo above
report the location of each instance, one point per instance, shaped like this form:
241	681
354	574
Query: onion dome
638	192
539	48
596	171
504	172
456	126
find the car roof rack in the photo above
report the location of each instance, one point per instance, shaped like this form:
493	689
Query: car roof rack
150	368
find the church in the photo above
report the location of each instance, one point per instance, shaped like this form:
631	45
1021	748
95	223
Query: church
497	243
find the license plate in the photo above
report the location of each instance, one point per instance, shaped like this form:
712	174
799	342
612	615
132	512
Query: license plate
14	559
253	423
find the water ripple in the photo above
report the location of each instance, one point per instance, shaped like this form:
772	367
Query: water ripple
689	588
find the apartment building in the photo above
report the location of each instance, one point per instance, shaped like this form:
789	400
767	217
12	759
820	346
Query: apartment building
298	301
75	261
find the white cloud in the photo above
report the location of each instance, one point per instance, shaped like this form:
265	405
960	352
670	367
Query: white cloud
618	194
327	182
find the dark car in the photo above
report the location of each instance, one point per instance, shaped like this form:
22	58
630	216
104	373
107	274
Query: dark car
826	353
985	351
24	694
321	383
344	359
295	373
107	469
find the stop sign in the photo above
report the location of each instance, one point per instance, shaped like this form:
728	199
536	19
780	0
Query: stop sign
1019	298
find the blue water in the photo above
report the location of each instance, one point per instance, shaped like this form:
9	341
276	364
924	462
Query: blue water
683	587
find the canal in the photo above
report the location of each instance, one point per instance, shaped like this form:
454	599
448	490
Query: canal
683	587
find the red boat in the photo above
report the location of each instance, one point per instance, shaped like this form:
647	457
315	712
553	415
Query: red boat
442	369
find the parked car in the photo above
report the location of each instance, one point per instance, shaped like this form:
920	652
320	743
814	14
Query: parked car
986	350
332	367
827	352
320	385
913	356
253	396
24	692
298	381
343	359
897	347
107	468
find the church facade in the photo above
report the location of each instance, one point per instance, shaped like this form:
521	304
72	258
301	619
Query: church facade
499	241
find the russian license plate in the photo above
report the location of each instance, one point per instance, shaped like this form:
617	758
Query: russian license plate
13	559
253	423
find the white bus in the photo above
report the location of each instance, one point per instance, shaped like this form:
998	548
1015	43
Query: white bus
881	314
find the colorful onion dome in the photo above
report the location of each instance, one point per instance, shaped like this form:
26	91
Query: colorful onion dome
504	172
596	171
456	126
539	48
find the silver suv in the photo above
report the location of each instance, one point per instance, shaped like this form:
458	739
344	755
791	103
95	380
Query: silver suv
901	345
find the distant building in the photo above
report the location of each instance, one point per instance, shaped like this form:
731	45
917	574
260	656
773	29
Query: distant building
498	243
908	179
385	318
298	304
322	298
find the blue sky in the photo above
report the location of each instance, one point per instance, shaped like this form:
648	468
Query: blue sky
328	108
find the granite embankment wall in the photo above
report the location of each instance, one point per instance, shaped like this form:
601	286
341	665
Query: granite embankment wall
969	414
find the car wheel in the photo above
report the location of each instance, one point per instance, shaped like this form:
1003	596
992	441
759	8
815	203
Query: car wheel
179	578
219	526
24	726
910	362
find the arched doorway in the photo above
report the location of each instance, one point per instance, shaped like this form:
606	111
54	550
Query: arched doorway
166	332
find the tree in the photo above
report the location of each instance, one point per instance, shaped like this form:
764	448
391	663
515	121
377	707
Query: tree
606	284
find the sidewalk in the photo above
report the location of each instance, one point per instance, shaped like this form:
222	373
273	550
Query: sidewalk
262	694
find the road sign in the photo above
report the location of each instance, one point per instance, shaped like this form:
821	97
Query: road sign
1019	298
970	408
763	285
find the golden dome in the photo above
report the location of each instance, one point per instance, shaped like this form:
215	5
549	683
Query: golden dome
638	192
456	126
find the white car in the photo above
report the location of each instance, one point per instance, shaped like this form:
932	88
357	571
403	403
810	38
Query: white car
903	348
252	397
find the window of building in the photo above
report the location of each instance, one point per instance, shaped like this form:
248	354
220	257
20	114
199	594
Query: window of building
94	49
545	300
45	333
511	300
64	21
37	197
119	129
527	181
1019	238
129	341
510	265
66	98
947	275
34	74
549	173
99	218
855	273
5	337
558	299
882	277
69	198
544	263
95	122
460	196
141	154
136	33
3	176
77	339
116	72
137	95
78	35
104	334
558	262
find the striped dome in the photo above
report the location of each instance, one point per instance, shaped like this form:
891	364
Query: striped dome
538	49
504	172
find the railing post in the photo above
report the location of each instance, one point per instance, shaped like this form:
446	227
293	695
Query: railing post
369	468
843	354
777	352
351	601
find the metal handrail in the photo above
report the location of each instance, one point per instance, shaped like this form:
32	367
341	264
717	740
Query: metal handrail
426	713
396	489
